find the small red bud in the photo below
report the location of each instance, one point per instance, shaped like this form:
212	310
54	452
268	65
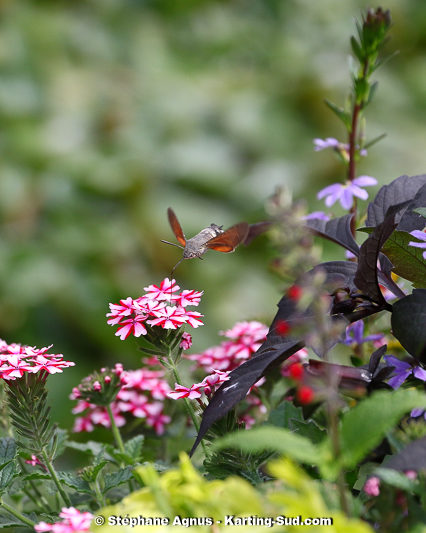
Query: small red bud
294	292
296	371
282	327
305	395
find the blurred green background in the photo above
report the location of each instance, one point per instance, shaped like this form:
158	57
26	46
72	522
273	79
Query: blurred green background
113	110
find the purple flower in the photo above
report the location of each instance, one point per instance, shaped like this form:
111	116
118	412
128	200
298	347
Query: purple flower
331	142
421	235
402	370
317	214
415	413
355	332
345	193
322	144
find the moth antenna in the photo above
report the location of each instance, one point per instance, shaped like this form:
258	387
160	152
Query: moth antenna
173	244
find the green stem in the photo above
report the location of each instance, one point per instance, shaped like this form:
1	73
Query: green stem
48	464
115	430
99	495
17	514
188	405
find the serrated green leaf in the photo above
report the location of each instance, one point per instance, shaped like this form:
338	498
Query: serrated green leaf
308	429
364	426
133	447
7	474
407	260
7	449
75	482
114	479
271	438
7	520
281	415
36	475
341	113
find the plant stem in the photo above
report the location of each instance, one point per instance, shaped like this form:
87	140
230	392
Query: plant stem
99	495
115	430
188	405
48	464
17	514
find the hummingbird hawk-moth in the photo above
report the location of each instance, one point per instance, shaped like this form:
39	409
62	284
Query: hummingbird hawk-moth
213	237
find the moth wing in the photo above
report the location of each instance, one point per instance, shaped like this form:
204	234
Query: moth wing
228	240
176	227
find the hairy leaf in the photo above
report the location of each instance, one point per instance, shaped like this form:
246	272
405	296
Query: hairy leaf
115	479
412	457
408	323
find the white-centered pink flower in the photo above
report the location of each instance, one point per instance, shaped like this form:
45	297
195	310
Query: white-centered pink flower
192	392
188	297
164	291
132	326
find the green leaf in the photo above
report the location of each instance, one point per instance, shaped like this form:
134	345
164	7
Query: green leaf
408	323
308	429
421	211
74	482
117	478
364	426
133	447
91	447
368	145
281	415
8	472
7	520
341	113
36	475
7	450
274	439
407	260
356	49
396	479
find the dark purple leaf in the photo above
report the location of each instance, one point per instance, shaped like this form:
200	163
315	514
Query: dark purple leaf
409	323
412	457
350	377
337	230
375	359
400	190
412	220
367	274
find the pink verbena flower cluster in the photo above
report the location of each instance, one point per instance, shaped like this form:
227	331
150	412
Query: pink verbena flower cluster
141	395
208	385
73	521
160	306
17	359
243	340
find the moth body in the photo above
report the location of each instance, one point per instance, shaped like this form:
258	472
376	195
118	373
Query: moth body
196	246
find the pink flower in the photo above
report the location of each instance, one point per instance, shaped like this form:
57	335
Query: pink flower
121	310
74	521
185	392
83	424
372	486
164	291
132	326
52	366
187	297
15	368
345	193
213	381
186	341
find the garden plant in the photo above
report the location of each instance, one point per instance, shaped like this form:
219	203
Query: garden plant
316	419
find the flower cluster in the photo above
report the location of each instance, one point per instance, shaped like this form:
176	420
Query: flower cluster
243	340
18	359
160	306
141	395
208	386
74	521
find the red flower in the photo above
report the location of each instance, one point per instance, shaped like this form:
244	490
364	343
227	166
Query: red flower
294	292
296	371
